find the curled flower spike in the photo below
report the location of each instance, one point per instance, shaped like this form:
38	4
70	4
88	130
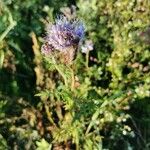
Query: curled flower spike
63	35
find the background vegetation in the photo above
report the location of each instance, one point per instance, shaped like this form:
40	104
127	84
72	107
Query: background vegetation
108	109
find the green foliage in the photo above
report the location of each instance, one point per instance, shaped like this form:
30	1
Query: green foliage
3	143
101	101
43	145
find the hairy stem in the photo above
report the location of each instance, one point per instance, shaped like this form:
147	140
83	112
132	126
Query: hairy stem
60	72
72	78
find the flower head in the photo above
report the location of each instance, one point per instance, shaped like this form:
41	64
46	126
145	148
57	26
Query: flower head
64	33
88	46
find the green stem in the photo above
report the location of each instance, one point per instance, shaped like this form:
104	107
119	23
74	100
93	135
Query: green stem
77	146
49	116
3	35
11	26
87	60
72	79
94	117
60	72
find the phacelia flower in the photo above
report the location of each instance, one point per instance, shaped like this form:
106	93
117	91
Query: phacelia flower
63	34
88	46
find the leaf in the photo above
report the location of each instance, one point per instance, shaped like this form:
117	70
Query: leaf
3	143
43	145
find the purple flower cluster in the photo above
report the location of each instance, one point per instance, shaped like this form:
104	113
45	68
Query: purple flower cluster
63	34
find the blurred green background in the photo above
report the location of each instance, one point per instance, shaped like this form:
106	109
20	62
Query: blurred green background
121	37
